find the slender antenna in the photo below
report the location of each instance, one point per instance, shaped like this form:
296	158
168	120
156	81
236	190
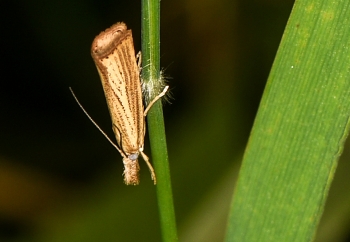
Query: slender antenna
98	127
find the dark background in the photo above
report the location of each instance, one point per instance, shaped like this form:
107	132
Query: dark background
60	180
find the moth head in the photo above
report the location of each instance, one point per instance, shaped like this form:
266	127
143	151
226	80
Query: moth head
131	171
133	156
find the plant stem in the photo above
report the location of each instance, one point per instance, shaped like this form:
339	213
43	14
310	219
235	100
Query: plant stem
152	78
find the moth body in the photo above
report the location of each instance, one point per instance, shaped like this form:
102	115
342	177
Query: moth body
114	55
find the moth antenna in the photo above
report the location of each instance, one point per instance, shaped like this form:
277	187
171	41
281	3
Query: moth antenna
98	127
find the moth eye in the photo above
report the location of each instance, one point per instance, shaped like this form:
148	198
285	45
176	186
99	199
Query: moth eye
133	156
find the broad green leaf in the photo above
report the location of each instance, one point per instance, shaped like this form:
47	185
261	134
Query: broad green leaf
299	131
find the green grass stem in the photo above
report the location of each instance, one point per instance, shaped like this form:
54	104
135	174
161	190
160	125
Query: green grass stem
152	78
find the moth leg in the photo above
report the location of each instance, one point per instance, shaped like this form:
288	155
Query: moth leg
155	99
146	159
143	131
116	132
139	59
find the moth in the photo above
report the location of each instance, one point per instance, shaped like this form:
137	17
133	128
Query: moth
114	56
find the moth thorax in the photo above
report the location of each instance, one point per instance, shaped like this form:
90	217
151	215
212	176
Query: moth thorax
133	156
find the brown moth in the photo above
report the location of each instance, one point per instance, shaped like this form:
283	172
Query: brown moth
114	55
